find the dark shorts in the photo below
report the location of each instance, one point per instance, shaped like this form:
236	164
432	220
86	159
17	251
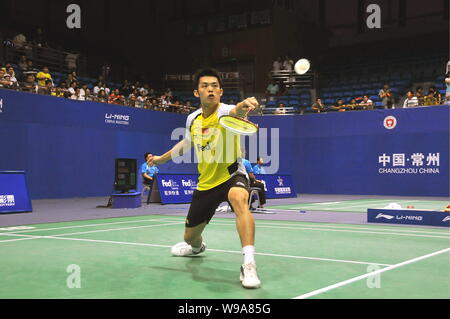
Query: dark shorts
205	203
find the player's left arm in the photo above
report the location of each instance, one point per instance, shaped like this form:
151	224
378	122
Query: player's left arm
243	108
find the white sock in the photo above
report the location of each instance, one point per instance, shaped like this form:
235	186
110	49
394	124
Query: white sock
249	254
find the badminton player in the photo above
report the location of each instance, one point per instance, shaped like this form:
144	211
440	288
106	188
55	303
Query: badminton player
222	175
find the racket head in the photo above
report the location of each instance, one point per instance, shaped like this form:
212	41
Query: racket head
238	125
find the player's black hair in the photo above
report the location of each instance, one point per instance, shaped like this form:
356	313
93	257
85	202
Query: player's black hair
206	72
145	155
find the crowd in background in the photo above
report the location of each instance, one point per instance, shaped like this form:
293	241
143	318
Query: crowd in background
27	78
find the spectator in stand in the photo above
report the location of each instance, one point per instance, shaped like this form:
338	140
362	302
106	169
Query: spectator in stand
281	109
47	88
22	63
430	99
353	104
318	106
126	88
76	93
101	86
436	94
411	100
88	95
272	89
132	100
447	90
140	99
72	90
11	83
19	41
69	79
366	103
10	71
83	89
386	96
419	95
288	65
30	69
116	98
29	85
339	106
277	65
64	89
57	92
43	76
5	81
102	96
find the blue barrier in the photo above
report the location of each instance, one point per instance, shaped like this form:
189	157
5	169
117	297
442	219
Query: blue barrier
410	217
178	188
68	147
14	197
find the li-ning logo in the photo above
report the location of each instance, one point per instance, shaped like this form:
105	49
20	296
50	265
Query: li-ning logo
280	181
117	118
446	219
380	215
7	200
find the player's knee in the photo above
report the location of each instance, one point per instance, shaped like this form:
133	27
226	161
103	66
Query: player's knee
238	197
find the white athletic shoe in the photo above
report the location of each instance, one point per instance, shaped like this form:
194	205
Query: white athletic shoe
184	249
249	278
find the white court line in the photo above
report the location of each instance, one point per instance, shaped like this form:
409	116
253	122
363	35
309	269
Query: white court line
266	225
209	249
370	274
91	225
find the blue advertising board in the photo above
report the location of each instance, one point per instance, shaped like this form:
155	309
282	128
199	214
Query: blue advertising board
278	186
178	188
14	197
408	216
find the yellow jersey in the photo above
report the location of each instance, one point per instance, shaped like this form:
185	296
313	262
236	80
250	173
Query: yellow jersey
218	151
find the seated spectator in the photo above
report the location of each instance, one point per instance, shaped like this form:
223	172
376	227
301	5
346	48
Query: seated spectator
12	73
140	99
47	88
5	80
88	95
318	106
116	98
447	90
69	79
277	64
411	100
436	94
20	41
339	105
43	76
430	99
419	95
101	86
83	89
272	89
102	96
132	100
366	103
64	89
29	69
29	85
386	96
126	88
353	104
76	93
280	109
72	90
22	63
58	92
